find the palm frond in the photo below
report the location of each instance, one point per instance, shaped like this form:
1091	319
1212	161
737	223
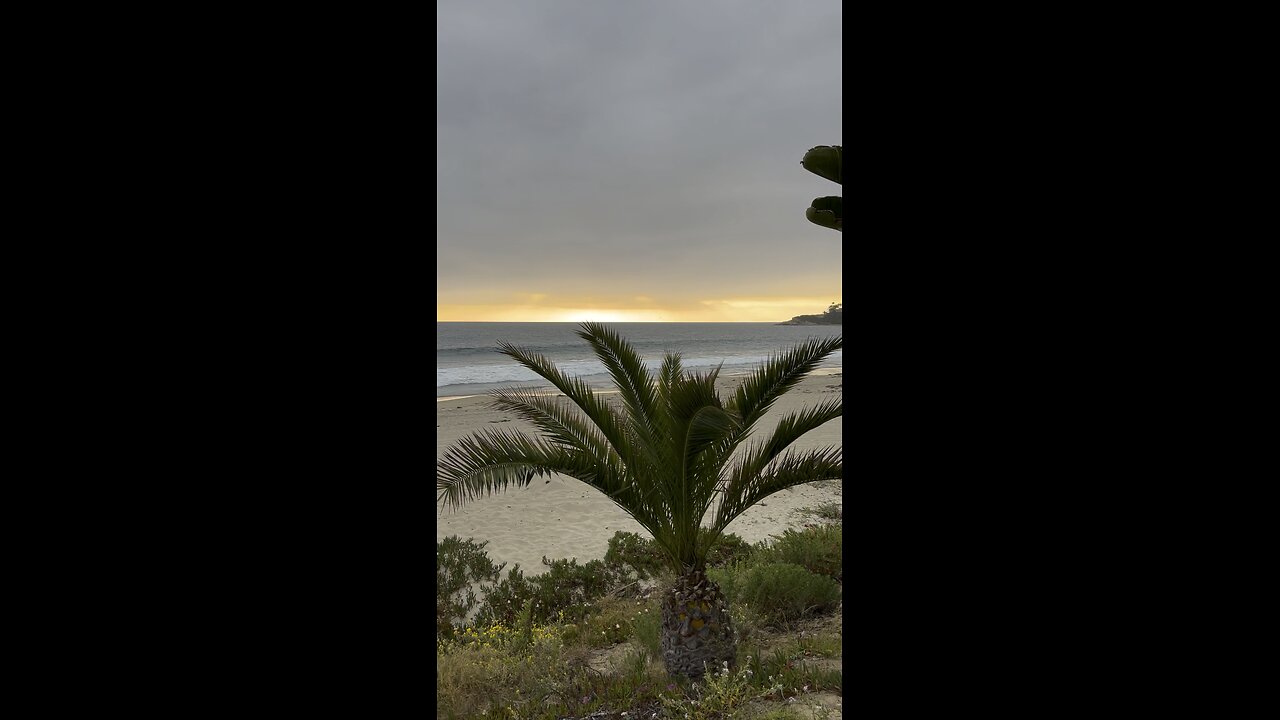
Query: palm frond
779	374
790	428
493	460
671	372
561	424
629	373
632	436
578	392
665	456
695	414
708	427
693	425
786	471
755	457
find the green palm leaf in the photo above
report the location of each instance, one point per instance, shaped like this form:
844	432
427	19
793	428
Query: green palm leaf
559	423
629	374
755	458
780	374
786	471
578	392
666	456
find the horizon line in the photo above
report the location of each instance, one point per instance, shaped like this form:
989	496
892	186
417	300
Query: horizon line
626	322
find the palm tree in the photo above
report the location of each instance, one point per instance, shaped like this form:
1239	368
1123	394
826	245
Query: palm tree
671	450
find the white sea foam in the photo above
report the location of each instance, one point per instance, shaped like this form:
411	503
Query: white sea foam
467	362
502	373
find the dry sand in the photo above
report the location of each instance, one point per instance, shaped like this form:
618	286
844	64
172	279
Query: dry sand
564	518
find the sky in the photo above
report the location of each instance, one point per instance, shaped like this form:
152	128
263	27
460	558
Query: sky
634	160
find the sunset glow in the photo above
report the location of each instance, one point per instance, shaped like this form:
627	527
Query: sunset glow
651	175
719	310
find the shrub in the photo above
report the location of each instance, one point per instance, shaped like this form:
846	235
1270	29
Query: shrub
780	677
525	624
722	694
816	548
459	564
729	549
477	677
827	511
611	621
747	621
648	627
778	591
503	601
514	640
629	551
566	587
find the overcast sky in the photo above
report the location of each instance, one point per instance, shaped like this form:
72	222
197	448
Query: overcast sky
634	159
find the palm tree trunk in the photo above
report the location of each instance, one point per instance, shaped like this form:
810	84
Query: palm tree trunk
696	628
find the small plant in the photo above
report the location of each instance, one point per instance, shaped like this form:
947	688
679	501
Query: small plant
636	667
817	645
503	601
780	676
511	638
526	623
778	591
648	627
459	565
721	695
827	511
566	587
747	620
816	548
611	622
629	551
729	549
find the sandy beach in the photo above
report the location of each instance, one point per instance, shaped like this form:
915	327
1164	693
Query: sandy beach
564	518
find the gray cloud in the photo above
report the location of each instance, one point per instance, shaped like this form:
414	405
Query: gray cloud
640	142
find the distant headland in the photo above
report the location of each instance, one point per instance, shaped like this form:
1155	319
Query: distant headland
833	316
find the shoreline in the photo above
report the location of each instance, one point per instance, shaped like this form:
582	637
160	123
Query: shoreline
551	390
563	518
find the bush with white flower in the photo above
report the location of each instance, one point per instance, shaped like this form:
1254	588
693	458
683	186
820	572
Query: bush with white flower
719	696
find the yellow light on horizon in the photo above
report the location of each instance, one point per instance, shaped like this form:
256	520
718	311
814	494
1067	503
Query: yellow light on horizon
609	316
731	309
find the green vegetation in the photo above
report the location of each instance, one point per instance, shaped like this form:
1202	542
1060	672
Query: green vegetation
608	657
780	592
723	695
827	511
816	548
566	587
671	452
729	549
640	556
833	316
459	564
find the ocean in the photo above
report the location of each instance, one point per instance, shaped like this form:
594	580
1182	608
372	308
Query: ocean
468	363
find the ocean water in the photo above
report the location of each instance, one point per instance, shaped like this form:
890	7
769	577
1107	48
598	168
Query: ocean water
468	363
